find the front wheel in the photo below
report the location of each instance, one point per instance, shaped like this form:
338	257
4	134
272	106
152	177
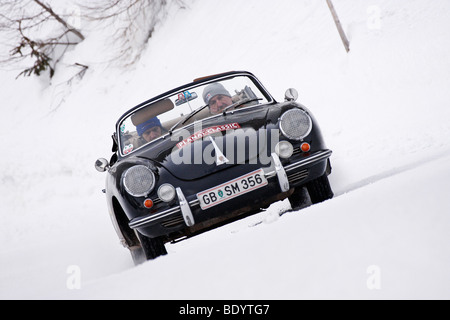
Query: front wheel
150	248
299	199
319	189
138	255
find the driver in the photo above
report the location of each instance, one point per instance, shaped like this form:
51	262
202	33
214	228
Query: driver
150	129
216	97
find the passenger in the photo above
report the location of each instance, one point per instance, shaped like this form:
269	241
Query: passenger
216	97
150	129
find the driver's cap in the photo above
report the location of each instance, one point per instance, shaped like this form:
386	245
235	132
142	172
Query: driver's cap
213	90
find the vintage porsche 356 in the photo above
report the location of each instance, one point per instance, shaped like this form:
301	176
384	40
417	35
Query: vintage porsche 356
207	153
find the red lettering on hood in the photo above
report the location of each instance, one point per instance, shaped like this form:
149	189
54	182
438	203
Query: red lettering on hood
206	132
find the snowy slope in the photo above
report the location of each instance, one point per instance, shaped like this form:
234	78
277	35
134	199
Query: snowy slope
384	109
324	252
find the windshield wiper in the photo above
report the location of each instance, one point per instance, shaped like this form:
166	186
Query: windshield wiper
239	103
183	120
193	113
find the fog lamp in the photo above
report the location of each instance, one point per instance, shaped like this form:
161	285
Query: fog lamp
166	192
284	149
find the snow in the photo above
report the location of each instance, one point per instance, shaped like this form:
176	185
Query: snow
383	108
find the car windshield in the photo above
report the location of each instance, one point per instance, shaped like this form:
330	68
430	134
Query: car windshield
192	103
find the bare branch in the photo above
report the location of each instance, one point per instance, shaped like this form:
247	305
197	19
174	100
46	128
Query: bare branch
59	19
134	22
20	24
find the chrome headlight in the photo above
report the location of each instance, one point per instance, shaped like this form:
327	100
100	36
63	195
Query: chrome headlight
139	180
295	124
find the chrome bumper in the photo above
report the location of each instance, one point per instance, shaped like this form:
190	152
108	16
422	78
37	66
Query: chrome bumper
185	207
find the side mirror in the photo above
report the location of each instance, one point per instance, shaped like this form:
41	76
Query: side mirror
291	95
101	165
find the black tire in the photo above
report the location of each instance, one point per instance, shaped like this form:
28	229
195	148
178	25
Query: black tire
138	255
299	199
152	247
319	189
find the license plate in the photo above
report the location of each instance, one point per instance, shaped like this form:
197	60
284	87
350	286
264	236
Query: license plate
232	189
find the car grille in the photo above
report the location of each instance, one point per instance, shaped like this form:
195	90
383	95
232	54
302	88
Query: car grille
297	151
172	222
156	200
298	176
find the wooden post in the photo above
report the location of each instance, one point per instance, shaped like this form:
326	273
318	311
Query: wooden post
338	26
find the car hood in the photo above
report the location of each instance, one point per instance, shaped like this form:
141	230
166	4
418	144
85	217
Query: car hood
213	144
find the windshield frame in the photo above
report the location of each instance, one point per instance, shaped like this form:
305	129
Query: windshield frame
190	86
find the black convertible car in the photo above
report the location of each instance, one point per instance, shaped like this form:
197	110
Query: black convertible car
207	153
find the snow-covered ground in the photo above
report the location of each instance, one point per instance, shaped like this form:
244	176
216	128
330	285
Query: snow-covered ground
384	110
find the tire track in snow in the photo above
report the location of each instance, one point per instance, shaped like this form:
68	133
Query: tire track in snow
389	173
270	215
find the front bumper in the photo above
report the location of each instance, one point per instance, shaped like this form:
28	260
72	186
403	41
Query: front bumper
287	177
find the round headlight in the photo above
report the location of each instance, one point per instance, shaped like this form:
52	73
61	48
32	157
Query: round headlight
284	149
166	192
139	181
295	124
